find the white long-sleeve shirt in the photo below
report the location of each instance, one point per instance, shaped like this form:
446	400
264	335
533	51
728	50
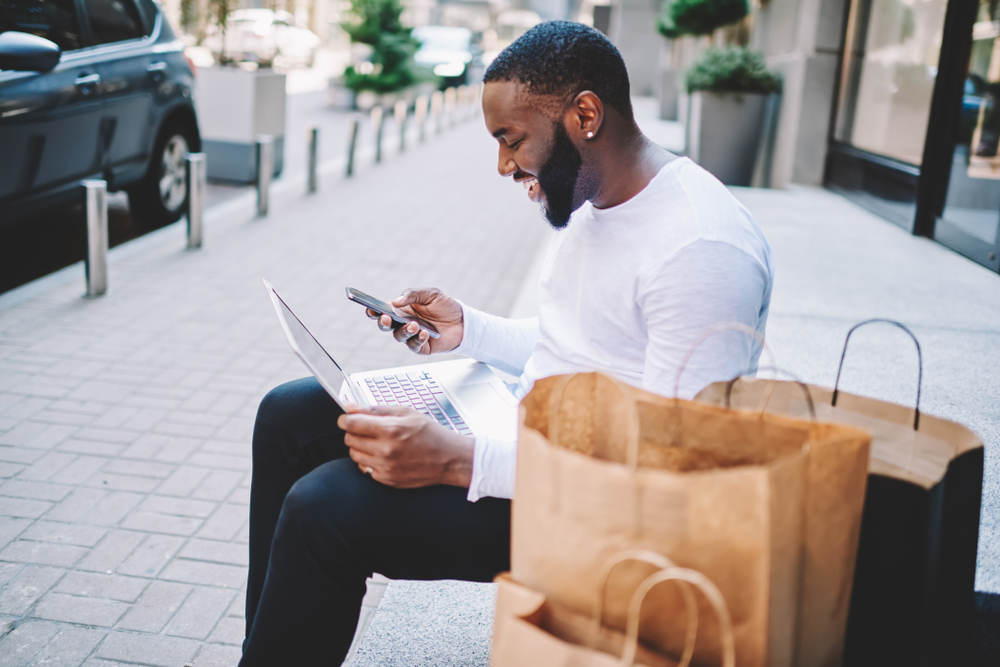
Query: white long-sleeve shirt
627	291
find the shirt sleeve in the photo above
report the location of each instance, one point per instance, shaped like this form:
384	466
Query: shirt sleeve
705	284
498	341
494	465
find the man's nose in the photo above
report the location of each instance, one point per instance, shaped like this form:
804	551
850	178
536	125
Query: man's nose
506	166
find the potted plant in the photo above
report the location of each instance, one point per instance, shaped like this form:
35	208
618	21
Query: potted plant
237	103
689	18
383	50
729	89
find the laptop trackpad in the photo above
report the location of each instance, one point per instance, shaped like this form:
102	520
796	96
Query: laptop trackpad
490	413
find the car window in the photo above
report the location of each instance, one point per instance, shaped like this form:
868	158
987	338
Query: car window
148	10
54	20
114	21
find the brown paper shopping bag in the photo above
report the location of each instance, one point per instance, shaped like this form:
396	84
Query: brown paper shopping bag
530	630
603	467
913	589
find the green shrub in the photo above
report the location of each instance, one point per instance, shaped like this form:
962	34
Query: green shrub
376	22
702	17
732	70
665	23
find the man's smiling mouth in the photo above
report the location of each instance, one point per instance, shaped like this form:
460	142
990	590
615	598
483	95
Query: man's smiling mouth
534	190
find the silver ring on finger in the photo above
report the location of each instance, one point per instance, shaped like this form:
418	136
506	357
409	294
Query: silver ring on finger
369	470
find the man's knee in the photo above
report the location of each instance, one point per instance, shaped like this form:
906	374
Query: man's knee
330	500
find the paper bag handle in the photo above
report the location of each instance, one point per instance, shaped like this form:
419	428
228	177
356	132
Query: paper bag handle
664	563
631	436
920	363
719	328
805	390
699	581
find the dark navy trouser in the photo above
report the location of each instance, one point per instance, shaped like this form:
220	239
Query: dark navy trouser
319	528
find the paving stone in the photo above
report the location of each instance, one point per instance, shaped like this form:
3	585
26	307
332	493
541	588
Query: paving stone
65	533
226	523
134	483
161	523
92	584
151	556
19	488
184	480
229	631
47	466
79	470
217	485
25	641
10	528
148	649
91	447
178	506
43	553
200	613
158	603
110	510
13	454
36	435
77	504
24	590
214	655
10	469
215	551
198	572
116	546
70	647
21	507
82	610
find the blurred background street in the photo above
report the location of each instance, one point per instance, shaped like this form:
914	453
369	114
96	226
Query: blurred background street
863	138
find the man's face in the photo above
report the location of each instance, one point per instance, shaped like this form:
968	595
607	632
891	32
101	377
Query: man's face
535	148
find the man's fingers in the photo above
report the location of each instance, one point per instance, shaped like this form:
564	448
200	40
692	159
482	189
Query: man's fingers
422	295
372	314
417	342
405	333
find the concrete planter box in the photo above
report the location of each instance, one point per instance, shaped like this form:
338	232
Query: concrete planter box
235	107
724	134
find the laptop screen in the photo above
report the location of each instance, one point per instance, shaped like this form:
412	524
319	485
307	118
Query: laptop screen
318	360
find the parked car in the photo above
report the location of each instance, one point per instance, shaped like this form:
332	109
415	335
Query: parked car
446	52
97	89
265	37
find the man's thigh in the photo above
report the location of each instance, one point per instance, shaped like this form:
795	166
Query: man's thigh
427	533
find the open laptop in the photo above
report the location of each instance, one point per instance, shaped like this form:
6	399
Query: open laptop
462	395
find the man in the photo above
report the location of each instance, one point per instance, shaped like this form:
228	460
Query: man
650	251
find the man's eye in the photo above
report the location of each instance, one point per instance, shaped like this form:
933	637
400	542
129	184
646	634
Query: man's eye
514	145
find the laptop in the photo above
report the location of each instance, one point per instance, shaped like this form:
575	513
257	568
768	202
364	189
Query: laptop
463	395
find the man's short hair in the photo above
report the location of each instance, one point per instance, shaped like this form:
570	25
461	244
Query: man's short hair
564	58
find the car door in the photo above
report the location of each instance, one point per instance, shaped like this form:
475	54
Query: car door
49	122
129	70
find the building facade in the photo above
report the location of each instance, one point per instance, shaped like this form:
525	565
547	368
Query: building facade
896	104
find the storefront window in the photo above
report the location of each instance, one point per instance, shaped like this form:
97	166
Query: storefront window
892	52
973	201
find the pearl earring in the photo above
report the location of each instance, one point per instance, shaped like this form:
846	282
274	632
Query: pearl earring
590	135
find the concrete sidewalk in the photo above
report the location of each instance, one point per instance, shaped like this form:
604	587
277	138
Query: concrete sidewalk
125	421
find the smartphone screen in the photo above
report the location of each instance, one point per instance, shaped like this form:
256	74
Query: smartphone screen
384	308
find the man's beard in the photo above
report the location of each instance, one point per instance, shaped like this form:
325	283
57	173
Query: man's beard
557	178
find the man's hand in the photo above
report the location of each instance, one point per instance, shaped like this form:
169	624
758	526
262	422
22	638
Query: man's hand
433	306
406	449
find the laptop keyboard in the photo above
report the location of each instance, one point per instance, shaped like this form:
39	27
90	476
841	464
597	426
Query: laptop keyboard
421	392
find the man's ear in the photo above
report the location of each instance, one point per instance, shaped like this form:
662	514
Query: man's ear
585	116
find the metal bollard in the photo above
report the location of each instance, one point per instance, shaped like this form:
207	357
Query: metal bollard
378	121
420	112
95	266
437	101
265	171
449	105
463	98
352	141
313	158
195	174
399	112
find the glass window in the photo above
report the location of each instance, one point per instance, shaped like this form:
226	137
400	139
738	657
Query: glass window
149	11
973	202
54	20
891	58
114	21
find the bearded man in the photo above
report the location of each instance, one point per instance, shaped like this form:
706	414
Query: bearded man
650	251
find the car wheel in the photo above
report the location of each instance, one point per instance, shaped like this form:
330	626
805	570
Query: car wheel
161	197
